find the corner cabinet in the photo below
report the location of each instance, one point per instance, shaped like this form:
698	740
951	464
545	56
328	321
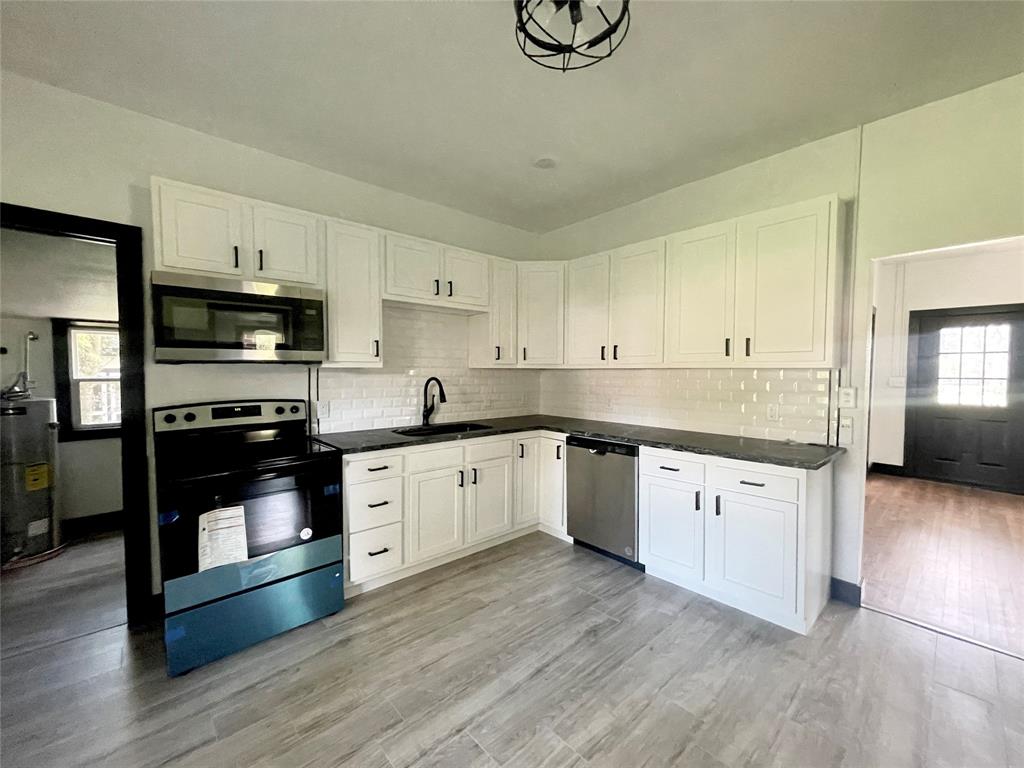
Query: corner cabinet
353	296
541	308
203	230
540	483
492	335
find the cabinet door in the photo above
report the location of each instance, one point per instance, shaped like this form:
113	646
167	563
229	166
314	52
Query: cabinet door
201	229
637	316
700	286
586	311
353	294
412	268
435	513
551	482
527	481
671	535
541	303
752	551
467	278
782	283
503	312
489	505
286	245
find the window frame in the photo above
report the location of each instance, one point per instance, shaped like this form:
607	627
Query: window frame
64	383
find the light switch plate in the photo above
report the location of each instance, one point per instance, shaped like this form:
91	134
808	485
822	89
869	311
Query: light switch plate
773	412
847	397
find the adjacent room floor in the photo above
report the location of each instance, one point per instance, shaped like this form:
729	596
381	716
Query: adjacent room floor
78	592
534	653
950	556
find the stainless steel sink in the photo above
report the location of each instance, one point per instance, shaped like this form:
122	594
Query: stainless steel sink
438	429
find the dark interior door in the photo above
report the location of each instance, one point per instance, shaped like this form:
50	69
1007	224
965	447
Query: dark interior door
965	397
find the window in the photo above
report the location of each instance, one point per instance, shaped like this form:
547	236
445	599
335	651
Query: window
974	363
87	368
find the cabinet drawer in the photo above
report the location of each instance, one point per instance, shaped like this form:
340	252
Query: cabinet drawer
437	458
670	465
500	449
373	469
375	503
374	552
757	483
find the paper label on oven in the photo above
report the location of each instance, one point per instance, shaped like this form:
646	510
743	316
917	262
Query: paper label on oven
222	537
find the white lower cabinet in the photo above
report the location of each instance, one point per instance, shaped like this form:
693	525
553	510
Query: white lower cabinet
436	500
527	478
374	552
490	500
550	485
757	537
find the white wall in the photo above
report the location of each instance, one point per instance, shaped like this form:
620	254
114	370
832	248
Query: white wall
971	276
420	343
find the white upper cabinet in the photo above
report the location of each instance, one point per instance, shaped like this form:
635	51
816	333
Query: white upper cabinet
286	244
637	315
785	284
412	268
586	311
200	229
467	278
353	295
492	336
541	299
700	278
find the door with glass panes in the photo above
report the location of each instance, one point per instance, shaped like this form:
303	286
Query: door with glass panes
965	396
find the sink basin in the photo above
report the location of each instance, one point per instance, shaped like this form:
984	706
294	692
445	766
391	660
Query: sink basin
439	429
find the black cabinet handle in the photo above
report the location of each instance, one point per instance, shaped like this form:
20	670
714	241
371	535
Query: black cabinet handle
378	552
522	451
376	347
697	500
748	346
524	354
558	453
718	506
474	476
615	351
602	351
462	479
670	469
437	287
450	287
260	267
236	257
497	352
378	504
751	482
726	346
377	469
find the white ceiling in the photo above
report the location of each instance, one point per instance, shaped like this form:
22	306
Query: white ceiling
434	99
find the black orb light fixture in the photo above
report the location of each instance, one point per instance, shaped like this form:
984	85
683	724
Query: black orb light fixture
570	34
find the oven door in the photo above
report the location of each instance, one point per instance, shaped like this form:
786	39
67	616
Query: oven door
203	319
292	519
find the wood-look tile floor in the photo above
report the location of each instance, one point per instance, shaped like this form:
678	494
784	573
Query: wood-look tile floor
530	654
78	592
951	556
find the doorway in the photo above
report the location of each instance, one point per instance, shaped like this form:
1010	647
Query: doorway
71	317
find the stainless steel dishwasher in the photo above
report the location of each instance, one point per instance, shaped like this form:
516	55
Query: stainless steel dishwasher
601	496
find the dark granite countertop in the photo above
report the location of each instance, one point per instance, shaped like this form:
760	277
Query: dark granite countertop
779	452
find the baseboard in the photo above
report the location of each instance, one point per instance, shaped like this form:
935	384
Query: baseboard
77	528
888	469
845	592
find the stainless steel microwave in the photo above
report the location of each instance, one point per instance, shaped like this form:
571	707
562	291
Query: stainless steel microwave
223	320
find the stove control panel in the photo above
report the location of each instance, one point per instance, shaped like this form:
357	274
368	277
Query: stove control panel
227	414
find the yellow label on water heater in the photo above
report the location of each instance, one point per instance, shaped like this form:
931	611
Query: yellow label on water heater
37	477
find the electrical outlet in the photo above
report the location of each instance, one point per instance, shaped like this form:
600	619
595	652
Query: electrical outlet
846	430
773	412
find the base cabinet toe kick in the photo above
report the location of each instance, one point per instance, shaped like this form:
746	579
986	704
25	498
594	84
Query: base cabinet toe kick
754	536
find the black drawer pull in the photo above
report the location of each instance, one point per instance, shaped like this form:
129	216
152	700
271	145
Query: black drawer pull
697	500
378	469
378	504
236	257
669	469
524	354
726	346
260	268
558	453
450	287
615	351
376	347
497	353
522	450
751	482
748	346
437	287
602	351
462	479
718	506
474	476
378	552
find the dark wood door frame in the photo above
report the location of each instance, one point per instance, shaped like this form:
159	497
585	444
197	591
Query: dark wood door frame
914	386
127	242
